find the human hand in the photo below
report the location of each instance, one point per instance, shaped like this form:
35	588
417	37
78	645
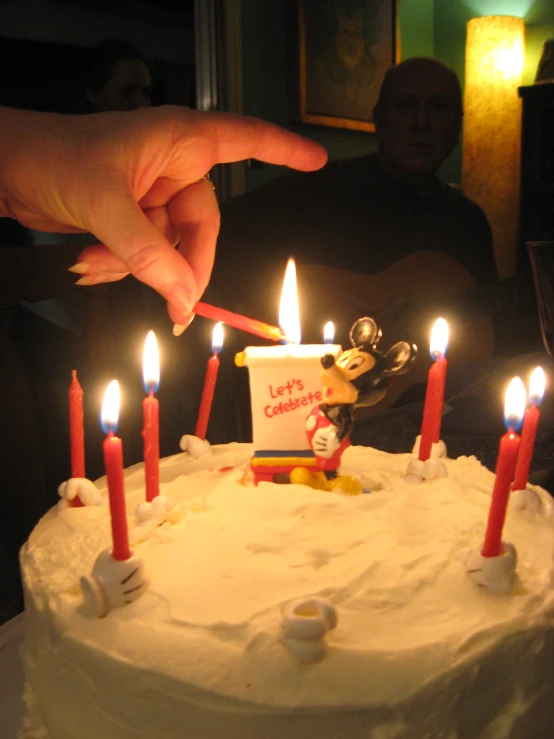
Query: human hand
132	179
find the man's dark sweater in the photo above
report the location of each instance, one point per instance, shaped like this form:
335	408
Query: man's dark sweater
351	214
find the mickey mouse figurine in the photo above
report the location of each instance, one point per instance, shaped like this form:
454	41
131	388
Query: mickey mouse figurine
361	376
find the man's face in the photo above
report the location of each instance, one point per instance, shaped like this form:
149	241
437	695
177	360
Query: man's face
417	122
128	88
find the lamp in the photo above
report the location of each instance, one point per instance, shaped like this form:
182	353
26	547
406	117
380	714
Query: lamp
492	128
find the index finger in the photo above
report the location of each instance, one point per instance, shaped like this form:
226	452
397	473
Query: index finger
240	137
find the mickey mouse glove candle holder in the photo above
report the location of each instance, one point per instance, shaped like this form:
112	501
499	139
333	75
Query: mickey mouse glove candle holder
113	583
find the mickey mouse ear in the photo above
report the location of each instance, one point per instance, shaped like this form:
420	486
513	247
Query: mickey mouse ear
399	358
365	331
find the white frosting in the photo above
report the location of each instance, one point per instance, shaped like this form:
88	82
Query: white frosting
201	652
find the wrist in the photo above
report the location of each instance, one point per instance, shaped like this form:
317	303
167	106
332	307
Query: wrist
13	124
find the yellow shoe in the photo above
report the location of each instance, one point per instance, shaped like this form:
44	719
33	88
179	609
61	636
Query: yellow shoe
346	484
304	476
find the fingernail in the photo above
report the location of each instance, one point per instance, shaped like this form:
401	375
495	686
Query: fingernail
182	299
85	281
81	268
179	328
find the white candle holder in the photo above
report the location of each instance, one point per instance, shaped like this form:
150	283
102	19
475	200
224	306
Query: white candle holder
495	574
113	583
304	628
431	469
80	487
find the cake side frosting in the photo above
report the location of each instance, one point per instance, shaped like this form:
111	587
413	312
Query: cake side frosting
416	646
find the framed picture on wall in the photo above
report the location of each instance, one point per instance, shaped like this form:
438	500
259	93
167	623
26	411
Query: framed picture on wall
345	48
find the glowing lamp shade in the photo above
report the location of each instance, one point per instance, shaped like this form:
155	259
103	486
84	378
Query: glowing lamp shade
151	363
537	385
289	310
109	416
217	338
329	332
494	61
514	404
439	338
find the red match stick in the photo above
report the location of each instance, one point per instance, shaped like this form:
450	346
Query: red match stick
250	325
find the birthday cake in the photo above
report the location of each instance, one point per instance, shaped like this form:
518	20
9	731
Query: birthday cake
276	611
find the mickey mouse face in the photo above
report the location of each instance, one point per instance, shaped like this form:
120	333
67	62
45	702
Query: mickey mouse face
338	378
355	362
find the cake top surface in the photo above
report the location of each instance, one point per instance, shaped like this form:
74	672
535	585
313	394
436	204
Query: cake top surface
230	557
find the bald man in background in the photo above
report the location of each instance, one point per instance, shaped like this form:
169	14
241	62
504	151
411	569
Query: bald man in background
364	214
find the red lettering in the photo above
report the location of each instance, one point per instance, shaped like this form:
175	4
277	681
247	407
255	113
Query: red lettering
293	404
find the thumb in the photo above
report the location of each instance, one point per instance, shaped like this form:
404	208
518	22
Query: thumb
148	255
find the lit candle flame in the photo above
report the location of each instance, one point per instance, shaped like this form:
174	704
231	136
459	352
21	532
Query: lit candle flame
514	404
537	384
439	338
289	311
110	407
217	338
329	332
151	363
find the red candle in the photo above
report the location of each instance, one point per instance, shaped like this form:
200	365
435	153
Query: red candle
113	462
505	466
434	396
76	433
151	408
250	325
529	431
209	383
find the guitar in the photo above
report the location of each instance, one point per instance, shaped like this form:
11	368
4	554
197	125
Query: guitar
405	300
